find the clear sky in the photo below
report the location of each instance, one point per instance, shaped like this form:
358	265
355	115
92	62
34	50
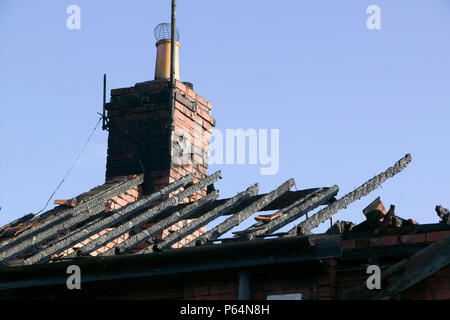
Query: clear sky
348	101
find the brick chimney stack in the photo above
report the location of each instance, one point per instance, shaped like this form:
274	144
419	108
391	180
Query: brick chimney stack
147	136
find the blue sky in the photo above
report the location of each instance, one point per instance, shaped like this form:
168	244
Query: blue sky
348	101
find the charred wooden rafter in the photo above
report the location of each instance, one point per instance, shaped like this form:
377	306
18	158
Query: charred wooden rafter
16	223
120	215
296	210
161	225
203	220
65	220
148	214
406	273
282	202
237	218
443	213
306	226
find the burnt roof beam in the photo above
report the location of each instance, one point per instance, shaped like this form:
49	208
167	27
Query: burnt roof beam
406	273
237	218
148	214
203	220
161	225
282	202
102	196
121	214
326	213
66	220
297	210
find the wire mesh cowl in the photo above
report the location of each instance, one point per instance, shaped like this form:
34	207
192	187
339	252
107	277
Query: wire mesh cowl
163	31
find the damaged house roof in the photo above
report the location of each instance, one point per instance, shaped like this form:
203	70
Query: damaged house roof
83	225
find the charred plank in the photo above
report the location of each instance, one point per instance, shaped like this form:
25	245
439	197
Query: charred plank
326	213
443	213
297	210
65	220
120	215
163	224
204	219
406	273
149	214
237	218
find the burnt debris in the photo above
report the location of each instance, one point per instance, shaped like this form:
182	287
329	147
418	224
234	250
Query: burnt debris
443	213
85	226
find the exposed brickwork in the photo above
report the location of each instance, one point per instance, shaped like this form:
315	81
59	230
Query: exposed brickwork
349	280
187	239
412	238
118	202
348	244
362	243
211	291
383	241
114	203
123	199
437	236
112	244
436	287
327	282
326	285
331	282
143	136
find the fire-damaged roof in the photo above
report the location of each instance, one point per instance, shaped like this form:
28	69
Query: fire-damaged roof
34	240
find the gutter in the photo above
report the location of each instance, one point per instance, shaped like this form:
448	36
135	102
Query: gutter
228	256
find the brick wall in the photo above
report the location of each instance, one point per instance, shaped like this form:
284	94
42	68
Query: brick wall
326	279
436	287
332	281
223	290
144	137
139	132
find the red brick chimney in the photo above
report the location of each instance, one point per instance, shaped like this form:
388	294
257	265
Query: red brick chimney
147	136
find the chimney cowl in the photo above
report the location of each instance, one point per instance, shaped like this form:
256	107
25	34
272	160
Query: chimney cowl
163	55
163	31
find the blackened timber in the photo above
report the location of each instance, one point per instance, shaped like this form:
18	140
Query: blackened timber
148	214
204	219
163	224
62	228
406	273
283	201
326	213
16	222
237	218
120	215
297	210
259	227
443	213
90	200
65	220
